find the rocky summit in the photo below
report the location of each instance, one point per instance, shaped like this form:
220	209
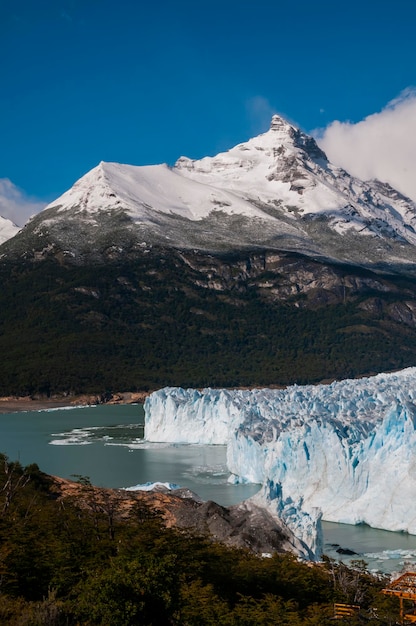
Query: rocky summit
263	265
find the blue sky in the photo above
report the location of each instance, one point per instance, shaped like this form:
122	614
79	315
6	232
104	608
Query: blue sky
145	82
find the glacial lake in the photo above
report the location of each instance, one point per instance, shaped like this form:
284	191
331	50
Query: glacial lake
105	444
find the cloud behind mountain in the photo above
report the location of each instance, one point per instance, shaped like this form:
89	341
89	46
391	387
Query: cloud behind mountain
380	146
15	205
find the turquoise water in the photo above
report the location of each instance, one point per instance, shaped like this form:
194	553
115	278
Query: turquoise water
383	551
105	444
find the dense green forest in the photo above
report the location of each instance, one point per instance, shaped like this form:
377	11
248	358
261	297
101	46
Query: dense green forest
153	322
66	564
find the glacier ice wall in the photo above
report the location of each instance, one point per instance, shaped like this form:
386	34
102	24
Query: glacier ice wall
348	448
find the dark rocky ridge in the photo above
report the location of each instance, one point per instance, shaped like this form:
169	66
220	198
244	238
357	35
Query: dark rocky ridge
244	525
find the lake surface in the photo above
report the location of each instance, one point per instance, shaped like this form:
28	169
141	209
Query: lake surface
105	444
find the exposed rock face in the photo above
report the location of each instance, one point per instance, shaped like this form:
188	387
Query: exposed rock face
245	525
283	277
301	282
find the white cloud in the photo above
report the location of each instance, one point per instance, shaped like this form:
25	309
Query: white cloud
259	112
15	205
381	146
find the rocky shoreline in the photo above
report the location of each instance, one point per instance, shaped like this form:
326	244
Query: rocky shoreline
13	404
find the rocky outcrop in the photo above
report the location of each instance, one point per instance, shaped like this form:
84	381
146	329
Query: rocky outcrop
300	281
244	525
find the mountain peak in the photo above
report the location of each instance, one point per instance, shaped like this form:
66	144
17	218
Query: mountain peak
279	123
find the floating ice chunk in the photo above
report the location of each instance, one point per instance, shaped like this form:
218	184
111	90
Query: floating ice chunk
149	486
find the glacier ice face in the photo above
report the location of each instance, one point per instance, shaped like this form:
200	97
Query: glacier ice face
181	415
347	449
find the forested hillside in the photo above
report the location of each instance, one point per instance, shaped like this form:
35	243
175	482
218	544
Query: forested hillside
188	319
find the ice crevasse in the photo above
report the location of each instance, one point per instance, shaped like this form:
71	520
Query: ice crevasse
345	450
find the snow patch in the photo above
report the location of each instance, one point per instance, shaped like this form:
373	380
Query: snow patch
7	229
145	190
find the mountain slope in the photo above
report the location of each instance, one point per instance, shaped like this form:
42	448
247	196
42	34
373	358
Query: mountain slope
191	319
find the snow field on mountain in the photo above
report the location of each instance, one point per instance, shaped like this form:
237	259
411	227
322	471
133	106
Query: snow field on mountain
144	190
7	229
348	449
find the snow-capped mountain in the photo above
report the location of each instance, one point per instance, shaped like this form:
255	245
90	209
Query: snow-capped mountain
276	191
7	229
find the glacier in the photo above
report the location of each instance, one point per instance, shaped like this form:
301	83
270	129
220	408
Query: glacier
345	450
